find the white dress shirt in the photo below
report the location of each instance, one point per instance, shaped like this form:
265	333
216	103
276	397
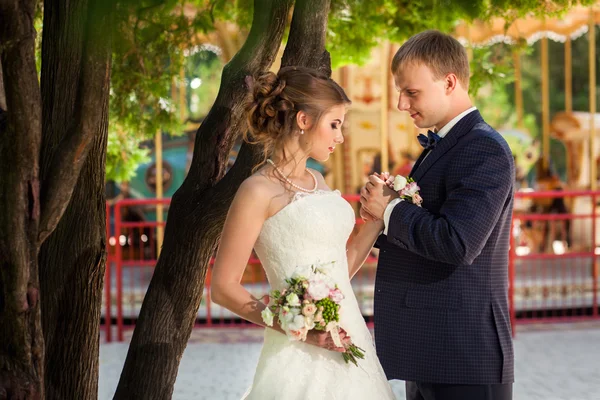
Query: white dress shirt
442	132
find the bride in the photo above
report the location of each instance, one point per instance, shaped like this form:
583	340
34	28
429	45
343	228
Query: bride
287	213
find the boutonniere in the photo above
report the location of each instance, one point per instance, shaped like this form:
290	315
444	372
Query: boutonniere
407	188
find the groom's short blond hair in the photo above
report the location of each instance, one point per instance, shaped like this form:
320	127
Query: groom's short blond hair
440	52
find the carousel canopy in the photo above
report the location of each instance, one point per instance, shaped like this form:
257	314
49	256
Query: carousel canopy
572	24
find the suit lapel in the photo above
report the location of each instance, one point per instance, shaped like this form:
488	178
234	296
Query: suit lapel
417	163
462	127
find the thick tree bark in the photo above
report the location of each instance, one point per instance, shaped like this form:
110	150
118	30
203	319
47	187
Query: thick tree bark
21	343
198	209
2	94
170	305
68	155
75	82
306	44
31	211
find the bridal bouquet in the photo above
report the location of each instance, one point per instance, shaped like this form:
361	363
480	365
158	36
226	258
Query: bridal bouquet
407	188
311	301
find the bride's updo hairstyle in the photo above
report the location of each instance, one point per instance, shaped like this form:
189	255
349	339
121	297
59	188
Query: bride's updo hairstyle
276	99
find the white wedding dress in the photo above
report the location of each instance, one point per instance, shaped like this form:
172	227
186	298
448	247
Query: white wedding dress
314	229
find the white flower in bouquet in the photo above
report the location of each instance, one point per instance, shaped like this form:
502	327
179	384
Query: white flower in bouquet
286	315
297	323
399	182
267	316
318	289
293	300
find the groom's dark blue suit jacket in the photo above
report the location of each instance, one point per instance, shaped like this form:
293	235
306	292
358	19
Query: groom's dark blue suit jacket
441	292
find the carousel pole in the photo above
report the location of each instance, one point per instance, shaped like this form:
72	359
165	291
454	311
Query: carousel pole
470	44
385	72
158	146
568	96
545	105
568	77
593	169
518	88
592	82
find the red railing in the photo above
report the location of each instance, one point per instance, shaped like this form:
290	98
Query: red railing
553	269
549	280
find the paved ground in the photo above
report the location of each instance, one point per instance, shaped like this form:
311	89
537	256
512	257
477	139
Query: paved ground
553	362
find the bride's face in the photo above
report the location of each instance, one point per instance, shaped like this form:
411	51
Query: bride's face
327	134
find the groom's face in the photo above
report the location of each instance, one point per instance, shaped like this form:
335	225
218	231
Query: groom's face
421	95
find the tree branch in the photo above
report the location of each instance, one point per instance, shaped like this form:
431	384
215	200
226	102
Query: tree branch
305	47
257	54
308	50
67	161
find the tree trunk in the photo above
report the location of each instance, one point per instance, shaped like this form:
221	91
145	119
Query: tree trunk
171	303
30	210
72	259
2	94
21	343
198	209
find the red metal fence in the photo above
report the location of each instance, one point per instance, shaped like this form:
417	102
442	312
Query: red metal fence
553	270
554	257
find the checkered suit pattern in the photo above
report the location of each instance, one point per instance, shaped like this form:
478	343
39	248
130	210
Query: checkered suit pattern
441	292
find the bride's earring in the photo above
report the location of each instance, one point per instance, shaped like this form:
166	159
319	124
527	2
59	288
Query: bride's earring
302	131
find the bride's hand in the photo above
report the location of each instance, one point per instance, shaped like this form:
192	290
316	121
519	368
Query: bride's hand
324	340
365	215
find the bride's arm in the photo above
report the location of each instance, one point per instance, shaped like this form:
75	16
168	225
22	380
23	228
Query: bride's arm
245	218
360	246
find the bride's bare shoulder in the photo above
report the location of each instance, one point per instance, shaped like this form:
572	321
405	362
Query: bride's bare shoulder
260	185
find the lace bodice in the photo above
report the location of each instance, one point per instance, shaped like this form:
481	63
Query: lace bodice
312	229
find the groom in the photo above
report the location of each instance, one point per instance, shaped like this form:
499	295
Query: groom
441	305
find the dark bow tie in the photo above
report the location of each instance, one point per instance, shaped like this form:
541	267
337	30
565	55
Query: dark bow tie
428	142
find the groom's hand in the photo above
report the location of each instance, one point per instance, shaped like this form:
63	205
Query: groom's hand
375	196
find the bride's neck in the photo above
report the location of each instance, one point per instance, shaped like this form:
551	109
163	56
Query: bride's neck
292	166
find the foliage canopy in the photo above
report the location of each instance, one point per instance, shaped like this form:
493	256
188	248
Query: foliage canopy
152	39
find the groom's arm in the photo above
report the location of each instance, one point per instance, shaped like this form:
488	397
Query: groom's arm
479	185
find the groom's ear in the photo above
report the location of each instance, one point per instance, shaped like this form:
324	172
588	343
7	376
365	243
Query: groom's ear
450	83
